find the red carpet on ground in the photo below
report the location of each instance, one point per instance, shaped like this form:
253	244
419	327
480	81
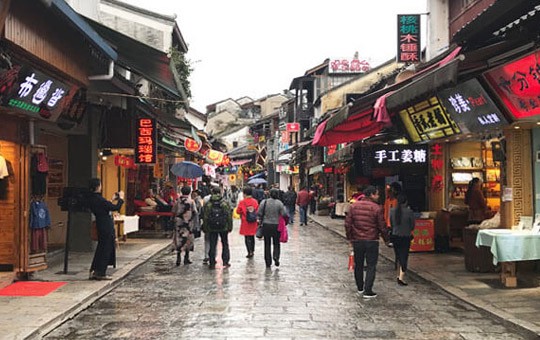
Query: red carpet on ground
30	288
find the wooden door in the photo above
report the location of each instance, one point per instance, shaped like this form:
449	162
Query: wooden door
10	209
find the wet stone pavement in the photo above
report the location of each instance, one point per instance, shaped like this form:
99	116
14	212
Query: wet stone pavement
310	296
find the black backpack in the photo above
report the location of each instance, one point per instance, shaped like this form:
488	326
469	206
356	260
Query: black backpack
251	214
217	219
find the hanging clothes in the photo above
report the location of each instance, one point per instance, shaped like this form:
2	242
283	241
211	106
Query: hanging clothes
39	178
40	220
4	182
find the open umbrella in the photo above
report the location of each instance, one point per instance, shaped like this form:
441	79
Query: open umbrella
186	169
256	181
259	175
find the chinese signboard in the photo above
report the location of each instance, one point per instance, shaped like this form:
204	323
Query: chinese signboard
437	164
428	120
518	85
345	65
35	93
424	236
192	145
471	107
388	156
408	38
146	137
293	127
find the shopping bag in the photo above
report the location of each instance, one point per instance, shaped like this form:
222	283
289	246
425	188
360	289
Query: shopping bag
351	261
259	233
235	214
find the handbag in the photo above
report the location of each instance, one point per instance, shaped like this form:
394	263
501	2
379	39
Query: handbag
351	261
259	233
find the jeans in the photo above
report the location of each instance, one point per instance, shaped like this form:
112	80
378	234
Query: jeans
206	245
271	237
291	209
303	214
250	243
225	254
368	251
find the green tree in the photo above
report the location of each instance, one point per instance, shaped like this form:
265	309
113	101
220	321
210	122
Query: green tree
183	68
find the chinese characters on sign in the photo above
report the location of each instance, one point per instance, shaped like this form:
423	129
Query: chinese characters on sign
471	107
345	65
518	85
146	148
428	120
191	145
436	168
424	235
387	156
408	38
34	92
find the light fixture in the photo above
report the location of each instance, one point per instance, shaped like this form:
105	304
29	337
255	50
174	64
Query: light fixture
516	127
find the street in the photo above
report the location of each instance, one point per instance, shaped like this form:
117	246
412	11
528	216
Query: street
311	295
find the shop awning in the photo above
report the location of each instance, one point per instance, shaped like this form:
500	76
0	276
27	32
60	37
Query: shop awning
65	11
140	58
429	83
356	127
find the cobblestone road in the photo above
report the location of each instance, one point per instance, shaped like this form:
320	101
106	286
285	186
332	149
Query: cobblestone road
310	296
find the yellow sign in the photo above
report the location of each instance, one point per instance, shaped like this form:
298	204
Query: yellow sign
232	178
428	120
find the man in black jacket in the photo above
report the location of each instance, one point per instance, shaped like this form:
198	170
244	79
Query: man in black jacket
289	199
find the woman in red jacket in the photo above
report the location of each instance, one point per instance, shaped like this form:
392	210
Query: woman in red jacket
247	209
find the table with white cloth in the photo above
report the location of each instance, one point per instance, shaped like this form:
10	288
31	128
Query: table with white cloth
342	208
509	246
125	225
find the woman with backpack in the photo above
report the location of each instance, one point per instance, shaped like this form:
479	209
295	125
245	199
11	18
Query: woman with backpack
247	209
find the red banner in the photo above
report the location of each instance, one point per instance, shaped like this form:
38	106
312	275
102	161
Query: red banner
424	236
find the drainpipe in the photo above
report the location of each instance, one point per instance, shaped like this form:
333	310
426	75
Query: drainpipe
107	76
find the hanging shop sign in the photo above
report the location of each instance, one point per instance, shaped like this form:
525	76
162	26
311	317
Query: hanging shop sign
33	92
428	120
328	170
402	156
436	162
408	42
124	162
471	107
146	137
518	85
192	145
345	65
293	127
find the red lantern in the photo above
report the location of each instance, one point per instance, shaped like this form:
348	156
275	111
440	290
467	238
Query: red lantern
192	145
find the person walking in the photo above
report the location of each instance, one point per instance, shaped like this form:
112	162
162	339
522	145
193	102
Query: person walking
402	222
217	222
303	200
105	254
270	210
289	199
247	209
364	224
184	212
258	193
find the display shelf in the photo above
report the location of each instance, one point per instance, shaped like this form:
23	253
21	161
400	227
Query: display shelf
467	169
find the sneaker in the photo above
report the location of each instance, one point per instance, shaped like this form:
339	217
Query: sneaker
360	291
369	295
226	265
276	261
205	260
102	278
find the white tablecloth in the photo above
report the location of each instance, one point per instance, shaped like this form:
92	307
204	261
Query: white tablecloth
510	245
131	223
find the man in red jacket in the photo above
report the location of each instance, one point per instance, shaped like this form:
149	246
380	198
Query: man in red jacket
363	225
302	199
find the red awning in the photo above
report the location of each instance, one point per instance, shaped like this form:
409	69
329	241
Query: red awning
357	127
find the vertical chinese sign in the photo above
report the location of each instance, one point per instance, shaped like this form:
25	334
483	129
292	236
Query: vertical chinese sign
436	167
146	148
408	38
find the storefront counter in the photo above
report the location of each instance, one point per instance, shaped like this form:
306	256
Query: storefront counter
424	235
509	246
342	208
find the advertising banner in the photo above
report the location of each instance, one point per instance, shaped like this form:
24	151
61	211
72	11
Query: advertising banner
408	41
146	141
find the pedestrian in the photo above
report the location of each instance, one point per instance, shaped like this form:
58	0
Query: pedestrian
206	258
232	196
258	193
183	211
302	200
364	224
105	254
474	198
289	199
313	196
197	216
402	221
390	201
270	210
247	209
217	221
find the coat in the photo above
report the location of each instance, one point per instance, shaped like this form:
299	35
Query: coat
247	228
365	221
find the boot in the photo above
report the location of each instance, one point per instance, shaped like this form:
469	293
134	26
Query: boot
186	258
178	258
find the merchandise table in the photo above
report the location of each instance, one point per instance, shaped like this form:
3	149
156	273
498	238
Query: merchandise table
125	225
509	246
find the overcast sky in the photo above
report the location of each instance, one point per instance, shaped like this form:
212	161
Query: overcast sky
256	47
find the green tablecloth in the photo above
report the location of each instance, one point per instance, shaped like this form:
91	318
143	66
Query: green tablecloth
510	245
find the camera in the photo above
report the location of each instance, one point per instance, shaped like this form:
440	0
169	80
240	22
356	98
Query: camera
74	199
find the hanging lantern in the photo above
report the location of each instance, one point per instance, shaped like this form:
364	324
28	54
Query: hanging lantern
192	145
